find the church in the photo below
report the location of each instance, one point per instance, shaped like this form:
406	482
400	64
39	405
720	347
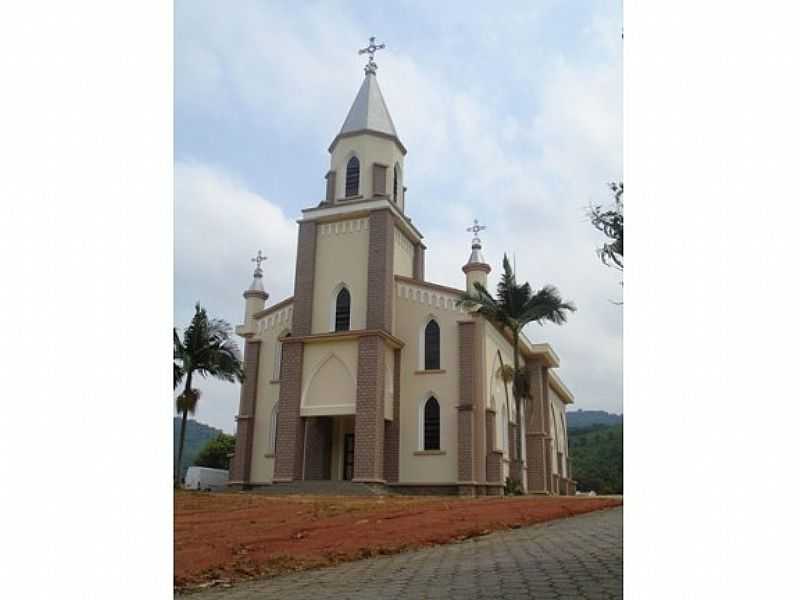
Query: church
370	373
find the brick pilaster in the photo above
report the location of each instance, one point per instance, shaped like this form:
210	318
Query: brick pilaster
380	270
304	278
369	424
391	444
548	463
242	458
536	410
289	447
466	392
418	271
494	472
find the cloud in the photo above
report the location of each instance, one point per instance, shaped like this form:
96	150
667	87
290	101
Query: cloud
219	226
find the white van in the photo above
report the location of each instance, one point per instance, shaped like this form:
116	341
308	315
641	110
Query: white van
204	478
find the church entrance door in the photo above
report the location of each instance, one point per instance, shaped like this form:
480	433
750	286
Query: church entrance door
349	454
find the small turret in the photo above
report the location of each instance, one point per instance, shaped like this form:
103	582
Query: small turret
255	296
476	269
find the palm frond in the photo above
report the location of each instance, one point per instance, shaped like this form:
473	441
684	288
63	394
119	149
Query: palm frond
177	375
546	305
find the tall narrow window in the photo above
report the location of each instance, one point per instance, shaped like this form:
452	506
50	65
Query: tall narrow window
342	320
432	346
431	424
396	182
351	178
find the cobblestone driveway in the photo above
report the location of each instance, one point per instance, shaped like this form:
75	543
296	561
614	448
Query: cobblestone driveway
579	557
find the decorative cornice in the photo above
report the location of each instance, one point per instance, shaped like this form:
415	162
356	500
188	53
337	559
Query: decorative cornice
268	311
476	267
379	134
256	294
326	212
316	338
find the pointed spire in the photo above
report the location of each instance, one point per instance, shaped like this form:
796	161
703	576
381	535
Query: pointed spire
368	113
369	110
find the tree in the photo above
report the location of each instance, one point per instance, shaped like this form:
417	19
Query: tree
609	221
515	306
207	348
215	453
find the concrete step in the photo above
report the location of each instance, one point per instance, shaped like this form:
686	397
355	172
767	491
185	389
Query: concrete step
322	488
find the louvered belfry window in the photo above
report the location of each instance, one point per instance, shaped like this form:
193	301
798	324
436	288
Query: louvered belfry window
351	178
432	346
431	425
342	321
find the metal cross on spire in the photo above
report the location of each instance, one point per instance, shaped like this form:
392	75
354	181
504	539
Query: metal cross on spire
475	229
371	49
258	260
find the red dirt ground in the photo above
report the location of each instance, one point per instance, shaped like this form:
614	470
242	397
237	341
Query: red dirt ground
234	536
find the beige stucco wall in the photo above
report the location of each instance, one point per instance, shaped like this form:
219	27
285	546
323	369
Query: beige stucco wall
414	305
403	254
329	378
341	258
268	330
369	149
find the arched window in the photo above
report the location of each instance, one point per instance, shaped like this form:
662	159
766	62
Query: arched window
431	425
351	178
396	182
432	346
342	317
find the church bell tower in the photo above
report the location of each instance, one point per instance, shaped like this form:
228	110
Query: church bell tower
366	154
338	366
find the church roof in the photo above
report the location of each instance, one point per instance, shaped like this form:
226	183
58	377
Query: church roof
369	113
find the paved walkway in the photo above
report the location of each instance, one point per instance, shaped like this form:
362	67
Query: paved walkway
579	557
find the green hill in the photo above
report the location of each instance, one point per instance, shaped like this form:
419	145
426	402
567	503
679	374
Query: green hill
579	419
596	454
197	436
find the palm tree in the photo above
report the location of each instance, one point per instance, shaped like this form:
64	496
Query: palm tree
514	307
207	349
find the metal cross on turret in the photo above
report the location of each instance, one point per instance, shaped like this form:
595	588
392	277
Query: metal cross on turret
371	67
475	229
258	260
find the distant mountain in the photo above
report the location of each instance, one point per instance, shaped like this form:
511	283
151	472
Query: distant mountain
581	419
197	436
596	453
